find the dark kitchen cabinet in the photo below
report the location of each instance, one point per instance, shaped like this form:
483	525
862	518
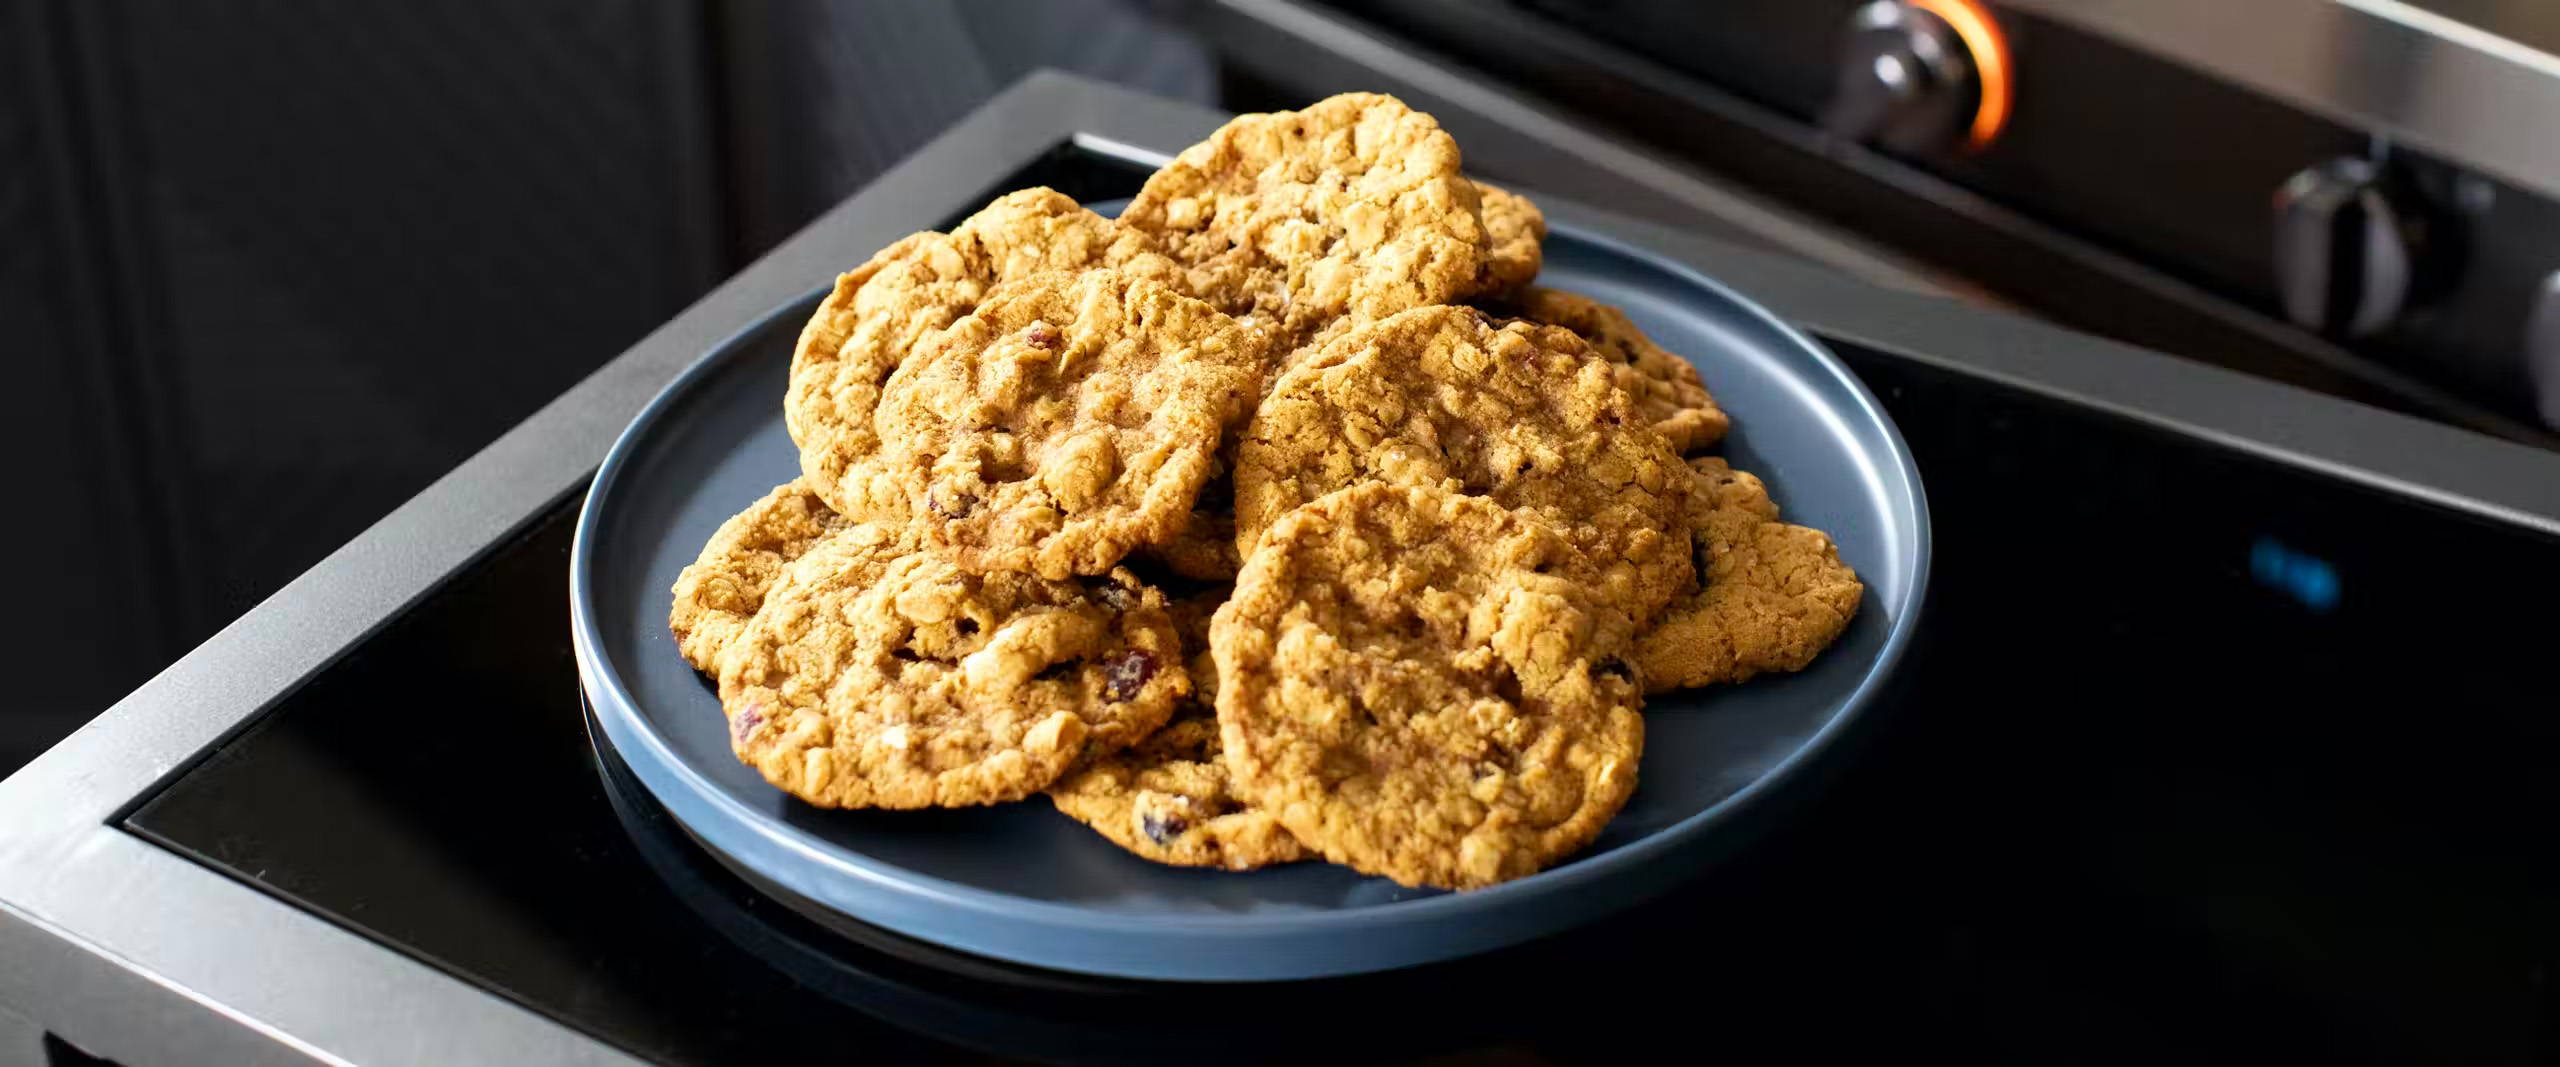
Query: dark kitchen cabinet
268	269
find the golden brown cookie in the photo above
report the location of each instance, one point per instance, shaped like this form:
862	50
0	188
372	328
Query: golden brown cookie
1666	388
1353	207
1420	685
1521	413
1069	419
1517	233
919	684
721	590
865	330
1772	595
1170	799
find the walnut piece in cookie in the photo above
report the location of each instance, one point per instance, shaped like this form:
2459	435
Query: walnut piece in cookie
920	684
1772	596
721	590
1517	233
1069	419
1353	207
1666	388
1420	685
1521	413
866	328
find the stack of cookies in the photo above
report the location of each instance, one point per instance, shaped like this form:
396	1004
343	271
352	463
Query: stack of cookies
1282	517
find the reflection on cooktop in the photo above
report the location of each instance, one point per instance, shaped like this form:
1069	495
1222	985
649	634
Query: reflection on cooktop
434	790
1000	1008
2146	792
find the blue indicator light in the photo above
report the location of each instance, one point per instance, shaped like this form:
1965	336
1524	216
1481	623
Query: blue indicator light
2304	577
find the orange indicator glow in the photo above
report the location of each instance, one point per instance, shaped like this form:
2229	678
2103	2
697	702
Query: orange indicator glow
1991	68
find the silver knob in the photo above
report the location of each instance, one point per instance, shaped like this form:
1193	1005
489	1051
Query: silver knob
1906	80
2542	349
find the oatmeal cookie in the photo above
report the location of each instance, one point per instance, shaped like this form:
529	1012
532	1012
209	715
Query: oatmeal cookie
1772	595
1169	798
921	684
866	328
1666	388
1517	232
1522	413
721	590
1069	419
1353	207
1420	685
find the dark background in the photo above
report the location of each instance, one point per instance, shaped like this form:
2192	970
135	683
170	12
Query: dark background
267	269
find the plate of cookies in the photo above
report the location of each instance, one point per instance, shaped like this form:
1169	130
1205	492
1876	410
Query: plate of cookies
1319	564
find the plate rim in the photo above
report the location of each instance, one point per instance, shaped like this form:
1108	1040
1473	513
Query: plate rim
626	726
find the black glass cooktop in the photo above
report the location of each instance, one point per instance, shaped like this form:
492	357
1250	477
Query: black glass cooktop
2199	757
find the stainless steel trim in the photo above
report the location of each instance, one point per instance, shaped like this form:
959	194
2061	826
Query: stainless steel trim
21	1041
2477	100
145	956
2542	348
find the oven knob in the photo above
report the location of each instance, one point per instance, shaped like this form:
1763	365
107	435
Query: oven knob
1917	76
2542	349
2353	248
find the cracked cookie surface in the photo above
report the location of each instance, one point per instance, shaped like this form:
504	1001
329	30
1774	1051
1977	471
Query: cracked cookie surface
1420	685
1515	234
915	683
1665	387
721	589
1352	208
1521	413
866	328
1771	595
1069	419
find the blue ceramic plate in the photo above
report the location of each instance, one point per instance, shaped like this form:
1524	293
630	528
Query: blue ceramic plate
1020	882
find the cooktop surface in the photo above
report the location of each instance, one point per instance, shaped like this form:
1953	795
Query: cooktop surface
2198	755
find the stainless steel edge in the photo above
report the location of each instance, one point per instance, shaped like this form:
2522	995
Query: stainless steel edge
100	928
124	1013
148	957
21	1040
2458	92
1498	127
